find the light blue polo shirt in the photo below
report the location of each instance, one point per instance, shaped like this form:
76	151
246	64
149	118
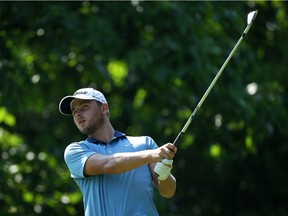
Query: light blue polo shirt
125	194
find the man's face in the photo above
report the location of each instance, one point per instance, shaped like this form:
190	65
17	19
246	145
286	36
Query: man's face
88	115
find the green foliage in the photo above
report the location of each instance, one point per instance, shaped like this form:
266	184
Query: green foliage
153	61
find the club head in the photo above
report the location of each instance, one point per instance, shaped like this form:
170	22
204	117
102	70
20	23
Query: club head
251	16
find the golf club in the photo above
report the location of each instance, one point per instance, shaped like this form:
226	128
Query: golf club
250	18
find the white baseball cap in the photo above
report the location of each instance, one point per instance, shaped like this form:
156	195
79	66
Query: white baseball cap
83	94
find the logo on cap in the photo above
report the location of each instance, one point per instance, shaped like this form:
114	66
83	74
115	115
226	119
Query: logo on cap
80	92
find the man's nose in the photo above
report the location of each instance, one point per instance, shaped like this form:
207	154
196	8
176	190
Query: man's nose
78	113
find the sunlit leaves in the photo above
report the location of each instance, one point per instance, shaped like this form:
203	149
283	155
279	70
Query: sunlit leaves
189	141
250	145
139	98
215	150
153	61
118	70
8	139
6	117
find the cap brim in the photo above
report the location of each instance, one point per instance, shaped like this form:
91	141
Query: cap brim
64	105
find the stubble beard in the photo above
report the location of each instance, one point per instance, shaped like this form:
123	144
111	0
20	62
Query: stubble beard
92	127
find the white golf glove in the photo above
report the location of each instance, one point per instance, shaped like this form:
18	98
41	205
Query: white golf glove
163	168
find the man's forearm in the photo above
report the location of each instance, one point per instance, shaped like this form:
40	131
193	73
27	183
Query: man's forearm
122	162
118	163
167	187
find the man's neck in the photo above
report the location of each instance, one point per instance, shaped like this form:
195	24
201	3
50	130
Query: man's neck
104	134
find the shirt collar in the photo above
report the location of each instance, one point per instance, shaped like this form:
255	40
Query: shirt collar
117	135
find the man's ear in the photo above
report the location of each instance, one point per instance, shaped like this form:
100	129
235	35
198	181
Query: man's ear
105	108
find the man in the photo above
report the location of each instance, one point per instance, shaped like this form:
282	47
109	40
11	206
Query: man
114	172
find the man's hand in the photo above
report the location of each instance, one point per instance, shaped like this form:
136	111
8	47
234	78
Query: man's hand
166	151
165	155
163	168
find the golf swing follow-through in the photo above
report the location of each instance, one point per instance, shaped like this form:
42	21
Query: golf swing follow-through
250	18
115	172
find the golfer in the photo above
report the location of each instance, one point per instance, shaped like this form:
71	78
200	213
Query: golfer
114	172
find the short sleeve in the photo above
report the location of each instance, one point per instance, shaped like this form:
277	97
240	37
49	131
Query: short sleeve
75	156
151	143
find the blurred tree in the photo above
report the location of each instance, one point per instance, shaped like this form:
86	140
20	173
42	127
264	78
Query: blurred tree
153	61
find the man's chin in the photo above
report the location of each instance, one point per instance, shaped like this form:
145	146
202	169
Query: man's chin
86	131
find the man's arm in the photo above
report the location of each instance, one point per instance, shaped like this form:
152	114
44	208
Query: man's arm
98	164
166	188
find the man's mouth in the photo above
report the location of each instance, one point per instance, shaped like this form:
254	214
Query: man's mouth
81	121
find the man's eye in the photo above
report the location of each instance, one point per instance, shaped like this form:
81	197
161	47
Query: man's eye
73	112
85	106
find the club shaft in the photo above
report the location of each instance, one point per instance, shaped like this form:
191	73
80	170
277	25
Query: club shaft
182	132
